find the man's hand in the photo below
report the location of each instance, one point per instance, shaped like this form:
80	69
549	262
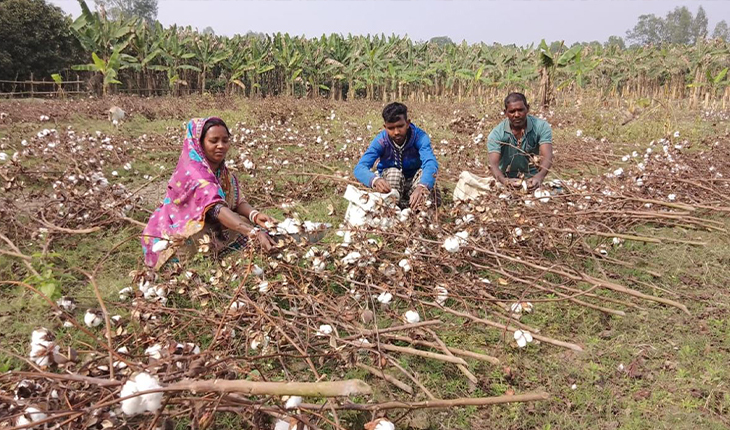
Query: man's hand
381	185
418	196
534	183
512	182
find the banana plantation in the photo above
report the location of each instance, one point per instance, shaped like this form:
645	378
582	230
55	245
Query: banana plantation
136	57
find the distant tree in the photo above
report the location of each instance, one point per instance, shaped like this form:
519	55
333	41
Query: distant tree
616	41
699	26
648	31
441	41
678	27
722	31
209	31
143	9
35	37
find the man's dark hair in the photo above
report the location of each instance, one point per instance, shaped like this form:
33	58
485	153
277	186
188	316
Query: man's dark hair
393	111
212	122
515	97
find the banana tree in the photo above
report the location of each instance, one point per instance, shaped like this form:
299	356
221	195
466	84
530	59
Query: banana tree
209	53
109	69
174	52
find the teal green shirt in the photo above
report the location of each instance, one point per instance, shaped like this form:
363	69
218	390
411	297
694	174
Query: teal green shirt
514	162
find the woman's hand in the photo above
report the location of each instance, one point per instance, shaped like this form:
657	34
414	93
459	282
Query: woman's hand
265	221
263	239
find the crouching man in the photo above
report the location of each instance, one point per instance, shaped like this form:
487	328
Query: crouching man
521	146
407	162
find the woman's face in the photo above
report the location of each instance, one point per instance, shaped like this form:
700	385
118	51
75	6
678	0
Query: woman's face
216	144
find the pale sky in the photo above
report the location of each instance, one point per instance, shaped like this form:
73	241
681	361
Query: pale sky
507	21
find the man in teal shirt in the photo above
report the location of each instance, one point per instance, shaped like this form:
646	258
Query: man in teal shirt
521	146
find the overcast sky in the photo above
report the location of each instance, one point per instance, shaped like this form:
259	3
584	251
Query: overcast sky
507	21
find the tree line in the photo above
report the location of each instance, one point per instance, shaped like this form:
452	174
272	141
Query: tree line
132	52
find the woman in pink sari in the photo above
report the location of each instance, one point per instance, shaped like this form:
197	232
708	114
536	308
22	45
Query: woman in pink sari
203	204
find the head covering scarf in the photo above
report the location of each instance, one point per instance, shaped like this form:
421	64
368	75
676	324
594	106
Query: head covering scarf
193	189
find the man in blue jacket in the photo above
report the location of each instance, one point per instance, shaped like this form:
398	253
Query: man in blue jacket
407	162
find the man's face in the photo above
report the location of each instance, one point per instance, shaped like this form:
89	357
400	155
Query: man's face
516	112
398	131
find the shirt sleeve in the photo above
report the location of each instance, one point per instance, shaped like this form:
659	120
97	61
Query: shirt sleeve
546	133
429	165
493	141
363	168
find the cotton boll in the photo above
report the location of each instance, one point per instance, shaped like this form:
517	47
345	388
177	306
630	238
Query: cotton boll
411	317
318	265
405	265
618	172
442	294
518	231
92	318
145	403
516	308
385	297
452	244
522	338
66	304
126	293
31	414
263	287
292	402
154	351
236	306
579	133
672	197
159	246
257	271
324	330
625	158
351	258
382	424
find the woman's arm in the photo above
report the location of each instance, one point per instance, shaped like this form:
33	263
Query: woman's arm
231	220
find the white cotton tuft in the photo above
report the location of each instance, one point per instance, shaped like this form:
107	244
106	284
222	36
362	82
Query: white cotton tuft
405	265
579	133
351	258
160	246
522	338
144	403
92	319
154	351
263	287
672	197
292	402
125	293
324	330
66	304
33	415
237	306
412	317
384	424
442	294
618	172
257	271
385	297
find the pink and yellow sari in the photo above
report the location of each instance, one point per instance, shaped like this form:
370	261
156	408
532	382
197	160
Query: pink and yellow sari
192	190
